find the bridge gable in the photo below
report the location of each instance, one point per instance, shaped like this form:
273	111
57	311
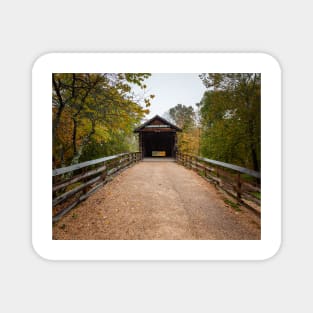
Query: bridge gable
157	124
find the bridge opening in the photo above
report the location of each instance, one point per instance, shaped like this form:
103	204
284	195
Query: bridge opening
157	138
158	144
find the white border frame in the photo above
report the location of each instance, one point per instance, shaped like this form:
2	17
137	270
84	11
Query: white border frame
156	249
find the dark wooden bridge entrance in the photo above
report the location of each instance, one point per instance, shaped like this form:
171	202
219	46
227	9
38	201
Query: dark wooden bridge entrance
157	138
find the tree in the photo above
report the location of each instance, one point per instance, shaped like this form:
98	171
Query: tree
185	118
231	118
94	110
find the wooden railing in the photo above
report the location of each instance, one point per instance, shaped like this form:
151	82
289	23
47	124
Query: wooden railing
241	183
75	183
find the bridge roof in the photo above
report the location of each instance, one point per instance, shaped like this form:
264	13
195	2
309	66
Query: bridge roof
151	122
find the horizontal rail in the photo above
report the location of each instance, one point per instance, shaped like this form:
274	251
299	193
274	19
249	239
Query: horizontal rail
232	167
71	168
246	191
69	190
74	204
78	178
67	194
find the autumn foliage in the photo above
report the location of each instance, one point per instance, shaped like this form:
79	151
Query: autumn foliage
94	114
226	124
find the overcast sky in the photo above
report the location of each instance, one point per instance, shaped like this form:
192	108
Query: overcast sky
171	89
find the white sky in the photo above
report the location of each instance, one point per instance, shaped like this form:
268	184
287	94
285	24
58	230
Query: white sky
171	89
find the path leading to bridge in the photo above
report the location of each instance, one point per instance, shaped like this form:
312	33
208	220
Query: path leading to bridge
157	200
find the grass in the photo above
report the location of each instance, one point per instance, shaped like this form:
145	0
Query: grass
248	178
232	204
72	186
202	173
256	194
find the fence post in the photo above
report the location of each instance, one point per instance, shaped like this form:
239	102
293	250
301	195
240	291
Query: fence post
238	188
197	163
104	173
84	170
54	181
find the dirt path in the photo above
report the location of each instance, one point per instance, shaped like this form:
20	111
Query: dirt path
157	200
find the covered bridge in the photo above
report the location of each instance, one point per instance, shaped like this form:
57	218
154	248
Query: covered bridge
157	138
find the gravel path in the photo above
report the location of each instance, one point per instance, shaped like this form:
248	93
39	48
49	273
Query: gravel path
157	200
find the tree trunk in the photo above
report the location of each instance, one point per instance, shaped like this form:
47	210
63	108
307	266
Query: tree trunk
56	122
255	162
81	147
74	136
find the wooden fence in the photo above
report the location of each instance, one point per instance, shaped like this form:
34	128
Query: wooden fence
241	183
75	183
